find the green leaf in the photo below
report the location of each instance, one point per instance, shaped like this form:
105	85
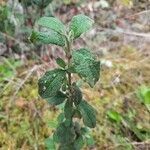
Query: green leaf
144	93
50	83
71	69
88	114
60	62
52	23
84	131
79	143
144	96
64	134
49	144
50	37
52	123
42	3
86	66
76	94
57	99
68	110
114	116
77	128
89	140
66	147
80	24
61	118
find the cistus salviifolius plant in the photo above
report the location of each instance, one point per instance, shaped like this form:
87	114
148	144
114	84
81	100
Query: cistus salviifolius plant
56	86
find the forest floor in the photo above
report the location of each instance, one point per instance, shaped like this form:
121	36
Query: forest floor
123	119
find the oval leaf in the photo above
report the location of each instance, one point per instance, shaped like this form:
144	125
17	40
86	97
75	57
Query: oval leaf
86	66
49	144
88	114
57	99
50	37
61	62
80	24
52	23
64	134
50	83
68	110
79	143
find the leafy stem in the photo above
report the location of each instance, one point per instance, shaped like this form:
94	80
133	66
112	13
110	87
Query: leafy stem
69	134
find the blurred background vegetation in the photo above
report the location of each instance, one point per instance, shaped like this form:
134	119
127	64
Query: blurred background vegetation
120	39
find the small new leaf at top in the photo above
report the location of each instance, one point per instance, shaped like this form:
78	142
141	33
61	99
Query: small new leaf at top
60	62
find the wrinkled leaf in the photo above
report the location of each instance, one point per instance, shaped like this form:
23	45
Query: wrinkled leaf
86	66
64	134
79	142
49	144
50	83
57	99
80	24
60	118
61	62
52	23
88	114
50	37
89	140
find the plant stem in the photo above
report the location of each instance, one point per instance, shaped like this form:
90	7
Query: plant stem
69	61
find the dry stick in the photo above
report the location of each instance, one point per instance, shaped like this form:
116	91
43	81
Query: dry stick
144	35
23	82
135	144
135	34
13	39
10	37
139	13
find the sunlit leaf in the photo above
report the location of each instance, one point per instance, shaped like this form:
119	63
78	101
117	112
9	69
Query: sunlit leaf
52	23
50	37
50	83
80	24
86	66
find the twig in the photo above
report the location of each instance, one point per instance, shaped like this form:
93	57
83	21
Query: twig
135	34
26	78
144	35
139	13
132	143
10	37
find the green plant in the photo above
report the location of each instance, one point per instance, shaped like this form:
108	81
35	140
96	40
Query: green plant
144	96
56	86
